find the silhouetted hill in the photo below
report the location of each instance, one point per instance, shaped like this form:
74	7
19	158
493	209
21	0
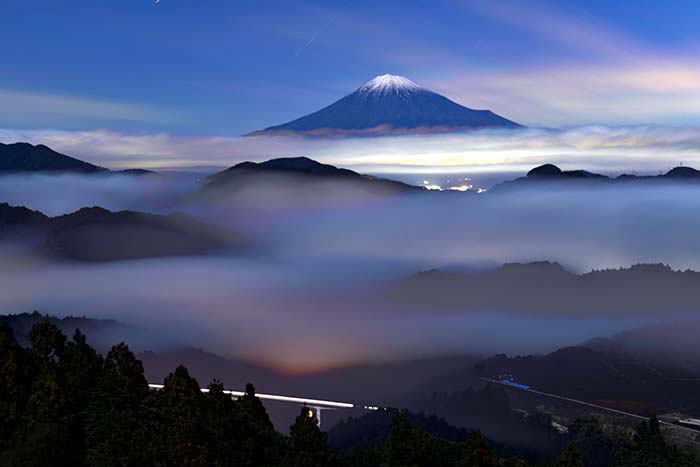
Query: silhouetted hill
549	175
294	179
552	171
293	165
612	379
547	288
381	383
389	105
25	157
18	216
96	234
683	172
487	409
672	348
101	333
452	417
136	172
372	429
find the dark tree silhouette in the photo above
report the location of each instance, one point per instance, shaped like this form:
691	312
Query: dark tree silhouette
114	426
478	452
309	446
408	446
569	457
62	404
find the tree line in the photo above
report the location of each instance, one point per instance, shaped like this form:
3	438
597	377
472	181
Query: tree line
64	404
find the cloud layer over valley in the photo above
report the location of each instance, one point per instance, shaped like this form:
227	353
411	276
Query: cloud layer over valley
645	148
315	283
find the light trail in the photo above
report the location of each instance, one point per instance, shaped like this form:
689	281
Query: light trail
602	407
297	400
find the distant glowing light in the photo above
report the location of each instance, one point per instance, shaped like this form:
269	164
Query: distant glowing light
481	190
433	187
461	187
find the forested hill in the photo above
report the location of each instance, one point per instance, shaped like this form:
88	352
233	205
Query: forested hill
62	404
97	234
96	329
545	287
28	158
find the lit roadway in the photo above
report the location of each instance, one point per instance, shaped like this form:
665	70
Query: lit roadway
601	407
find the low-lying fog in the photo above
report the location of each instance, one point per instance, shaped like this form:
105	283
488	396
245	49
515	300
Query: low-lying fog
61	194
309	301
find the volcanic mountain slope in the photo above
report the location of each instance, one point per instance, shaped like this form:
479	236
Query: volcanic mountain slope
25	157
390	104
294	179
96	234
547	288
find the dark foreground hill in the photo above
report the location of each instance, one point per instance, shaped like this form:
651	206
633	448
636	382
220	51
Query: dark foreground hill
28	158
547	288
63	404
372	428
96	234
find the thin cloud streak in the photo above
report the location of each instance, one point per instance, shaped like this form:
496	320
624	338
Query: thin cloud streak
592	37
666	90
607	76
23	107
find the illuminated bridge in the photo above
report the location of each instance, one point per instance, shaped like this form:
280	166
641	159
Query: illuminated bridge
315	404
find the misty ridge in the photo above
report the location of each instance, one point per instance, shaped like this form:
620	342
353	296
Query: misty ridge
619	149
549	175
304	278
96	234
102	333
548	288
327	247
294	180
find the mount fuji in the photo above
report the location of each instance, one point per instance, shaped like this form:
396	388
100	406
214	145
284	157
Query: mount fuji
390	104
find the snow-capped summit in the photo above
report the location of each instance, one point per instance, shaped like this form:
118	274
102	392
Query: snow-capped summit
389	83
390	104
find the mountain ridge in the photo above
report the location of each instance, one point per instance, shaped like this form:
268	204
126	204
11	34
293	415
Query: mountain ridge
551	175
548	288
24	157
299	178
97	234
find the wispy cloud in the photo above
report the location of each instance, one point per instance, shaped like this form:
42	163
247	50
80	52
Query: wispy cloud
607	75
21	107
579	32
666	91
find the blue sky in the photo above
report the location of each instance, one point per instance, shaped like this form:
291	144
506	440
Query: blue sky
173	84
229	67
